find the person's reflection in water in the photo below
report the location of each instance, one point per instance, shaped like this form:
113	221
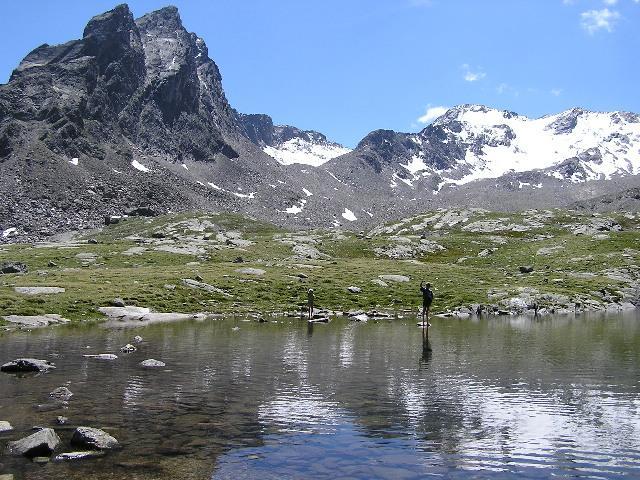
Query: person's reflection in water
425	358
309	329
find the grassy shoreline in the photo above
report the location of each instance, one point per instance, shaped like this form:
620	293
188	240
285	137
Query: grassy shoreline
144	261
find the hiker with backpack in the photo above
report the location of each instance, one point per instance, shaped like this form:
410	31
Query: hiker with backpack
427	298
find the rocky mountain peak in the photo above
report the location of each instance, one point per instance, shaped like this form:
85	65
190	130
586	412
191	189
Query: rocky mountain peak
104	25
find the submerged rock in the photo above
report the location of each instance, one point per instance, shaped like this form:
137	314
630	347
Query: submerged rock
69	456
137	339
61	393
102	356
128	348
27	365
93	438
41	443
152	363
5	426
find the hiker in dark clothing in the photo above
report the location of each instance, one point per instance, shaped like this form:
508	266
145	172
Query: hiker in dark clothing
310	302
427	298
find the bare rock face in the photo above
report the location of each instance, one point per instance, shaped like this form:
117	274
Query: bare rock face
93	438
27	365
40	444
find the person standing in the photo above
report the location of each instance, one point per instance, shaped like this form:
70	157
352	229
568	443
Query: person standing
427	299
310	302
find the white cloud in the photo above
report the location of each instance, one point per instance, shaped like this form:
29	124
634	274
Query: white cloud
610	2
594	20
556	92
472	75
432	113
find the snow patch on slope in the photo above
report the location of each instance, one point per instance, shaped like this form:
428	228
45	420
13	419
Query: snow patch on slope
138	166
298	150
349	215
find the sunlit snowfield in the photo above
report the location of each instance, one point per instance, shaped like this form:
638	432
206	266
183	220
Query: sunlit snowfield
543	398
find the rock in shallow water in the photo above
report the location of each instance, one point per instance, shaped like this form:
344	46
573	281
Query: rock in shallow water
61	393
5	426
41	443
102	356
93	438
128	348
152	363
27	365
69	456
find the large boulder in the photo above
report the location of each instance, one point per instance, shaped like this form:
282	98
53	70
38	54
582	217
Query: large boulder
93	438
40	444
27	365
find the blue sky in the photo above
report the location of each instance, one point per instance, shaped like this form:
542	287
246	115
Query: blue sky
346	67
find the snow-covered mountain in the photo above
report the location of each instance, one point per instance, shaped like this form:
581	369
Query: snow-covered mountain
474	142
290	145
496	142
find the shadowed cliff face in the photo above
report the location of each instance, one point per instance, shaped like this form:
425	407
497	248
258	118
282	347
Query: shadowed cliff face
148	82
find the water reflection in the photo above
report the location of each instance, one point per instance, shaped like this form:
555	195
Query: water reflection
550	397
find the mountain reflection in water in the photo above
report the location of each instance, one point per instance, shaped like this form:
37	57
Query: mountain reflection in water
498	397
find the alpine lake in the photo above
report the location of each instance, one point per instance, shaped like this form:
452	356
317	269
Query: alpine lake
495	397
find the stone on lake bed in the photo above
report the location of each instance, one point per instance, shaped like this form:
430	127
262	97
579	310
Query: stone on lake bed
128	348
41	443
69	456
251	271
38	290
394	278
93	438
27	365
102	356
61	393
319	320
137	339
36	321
5	426
152	363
